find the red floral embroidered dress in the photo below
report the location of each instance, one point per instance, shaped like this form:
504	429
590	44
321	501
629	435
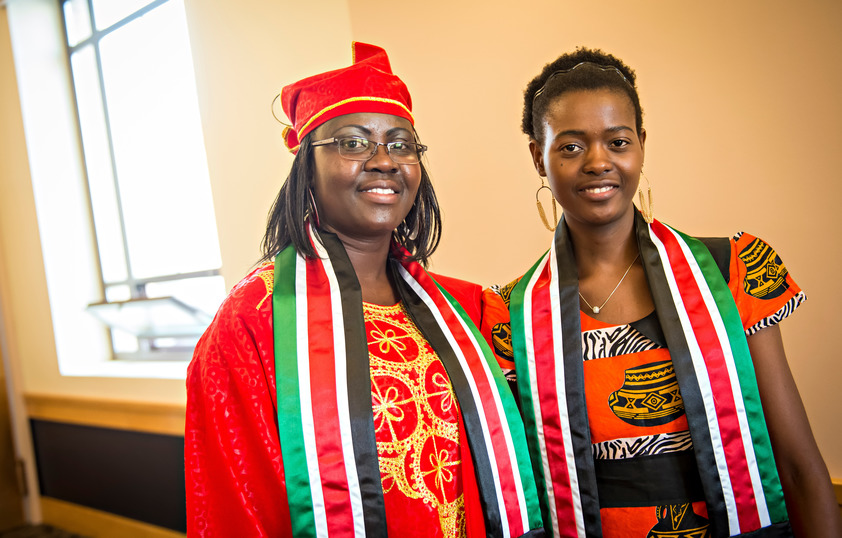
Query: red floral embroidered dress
419	435
235	474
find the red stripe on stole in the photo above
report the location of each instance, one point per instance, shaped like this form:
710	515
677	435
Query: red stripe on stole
545	366
475	361
325	408
720	381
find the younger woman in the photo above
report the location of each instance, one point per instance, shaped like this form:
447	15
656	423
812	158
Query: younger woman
650	368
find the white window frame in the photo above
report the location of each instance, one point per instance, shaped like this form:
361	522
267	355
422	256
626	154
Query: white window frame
57	170
135	285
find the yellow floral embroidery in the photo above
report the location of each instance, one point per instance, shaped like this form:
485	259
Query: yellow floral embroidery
421	458
387	408
268	278
440	463
386	340
448	399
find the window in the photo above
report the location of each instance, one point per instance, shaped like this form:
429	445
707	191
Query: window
147	176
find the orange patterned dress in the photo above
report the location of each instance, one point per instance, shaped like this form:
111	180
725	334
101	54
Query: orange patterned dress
648	479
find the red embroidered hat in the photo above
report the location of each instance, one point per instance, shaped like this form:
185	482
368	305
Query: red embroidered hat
366	86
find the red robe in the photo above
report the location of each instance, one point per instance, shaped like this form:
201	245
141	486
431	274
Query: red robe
233	465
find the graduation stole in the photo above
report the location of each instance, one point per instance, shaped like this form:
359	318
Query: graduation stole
715	373
325	417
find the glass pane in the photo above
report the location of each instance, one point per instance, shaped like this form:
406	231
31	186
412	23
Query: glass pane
158	145
174	344
204	293
78	21
124	342
98	162
107	12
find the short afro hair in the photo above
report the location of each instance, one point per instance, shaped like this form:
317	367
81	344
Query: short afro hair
611	74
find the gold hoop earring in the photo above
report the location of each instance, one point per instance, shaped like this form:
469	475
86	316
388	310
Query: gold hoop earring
647	206
541	212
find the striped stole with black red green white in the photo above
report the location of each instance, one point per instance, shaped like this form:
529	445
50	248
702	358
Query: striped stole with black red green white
715	373
325	417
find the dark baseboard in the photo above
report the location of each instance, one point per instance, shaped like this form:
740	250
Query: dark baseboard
132	474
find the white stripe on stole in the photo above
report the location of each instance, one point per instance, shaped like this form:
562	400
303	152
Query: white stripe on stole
341	375
558	353
533	390
742	416
307	428
705	389
422	293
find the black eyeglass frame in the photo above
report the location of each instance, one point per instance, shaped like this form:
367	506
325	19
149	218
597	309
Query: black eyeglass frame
419	148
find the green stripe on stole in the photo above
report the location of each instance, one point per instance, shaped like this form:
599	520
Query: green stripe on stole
511	413
524	383
299	494
286	302
746	375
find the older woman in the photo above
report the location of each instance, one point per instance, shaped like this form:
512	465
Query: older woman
649	364
340	391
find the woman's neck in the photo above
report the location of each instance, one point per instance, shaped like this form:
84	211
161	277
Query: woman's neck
599	248
611	277
369	259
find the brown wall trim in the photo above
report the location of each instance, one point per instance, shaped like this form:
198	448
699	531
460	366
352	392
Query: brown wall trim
166	419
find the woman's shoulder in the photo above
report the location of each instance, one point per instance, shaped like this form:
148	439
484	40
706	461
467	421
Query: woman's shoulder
257	285
238	344
758	261
501	292
761	284
457	285
496	325
246	309
468	294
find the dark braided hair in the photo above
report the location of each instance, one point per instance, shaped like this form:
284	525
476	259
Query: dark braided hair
550	87
419	233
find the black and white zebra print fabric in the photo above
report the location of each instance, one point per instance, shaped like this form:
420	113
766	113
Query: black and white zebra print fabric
614	341
778	316
647	445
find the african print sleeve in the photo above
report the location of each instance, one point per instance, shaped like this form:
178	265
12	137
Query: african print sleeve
496	328
233	466
762	287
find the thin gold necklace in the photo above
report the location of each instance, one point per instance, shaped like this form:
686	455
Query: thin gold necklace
598	309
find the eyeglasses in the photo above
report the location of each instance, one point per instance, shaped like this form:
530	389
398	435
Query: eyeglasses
360	149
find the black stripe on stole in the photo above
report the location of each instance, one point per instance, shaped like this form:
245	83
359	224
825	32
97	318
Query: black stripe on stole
687	381
574	374
427	324
720	249
359	388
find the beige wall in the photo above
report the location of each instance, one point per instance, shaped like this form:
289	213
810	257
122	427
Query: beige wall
740	100
741	103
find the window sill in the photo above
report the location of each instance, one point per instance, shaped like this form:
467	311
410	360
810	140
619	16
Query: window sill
137	369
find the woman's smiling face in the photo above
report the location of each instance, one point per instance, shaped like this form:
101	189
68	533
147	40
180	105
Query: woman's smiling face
364	199
592	155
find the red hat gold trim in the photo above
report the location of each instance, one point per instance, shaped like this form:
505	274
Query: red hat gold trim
368	85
